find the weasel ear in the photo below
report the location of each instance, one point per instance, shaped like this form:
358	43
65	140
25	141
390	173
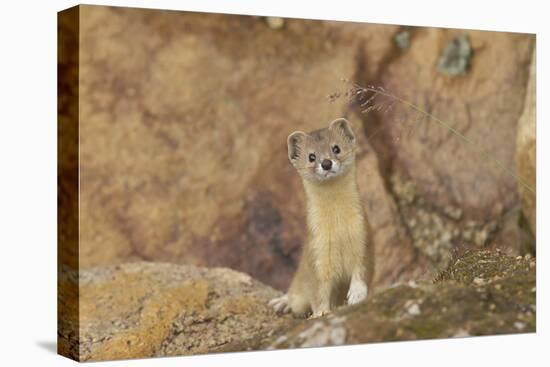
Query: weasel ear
343	126
294	142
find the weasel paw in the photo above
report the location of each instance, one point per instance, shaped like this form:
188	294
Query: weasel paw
357	292
280	304
318	314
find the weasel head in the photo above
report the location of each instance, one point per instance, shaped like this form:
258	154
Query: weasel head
325	154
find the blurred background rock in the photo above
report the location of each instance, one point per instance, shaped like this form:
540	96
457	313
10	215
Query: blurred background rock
184	119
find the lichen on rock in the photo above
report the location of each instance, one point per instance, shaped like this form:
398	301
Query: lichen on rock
455	59
141	310
453	305
402	39
438	232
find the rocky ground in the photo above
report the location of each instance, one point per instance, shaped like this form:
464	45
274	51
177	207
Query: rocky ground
157	309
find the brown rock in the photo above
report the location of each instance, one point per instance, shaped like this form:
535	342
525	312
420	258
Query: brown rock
526	150
450	307
183	130
397	257
483	104
152	309
183	153
143	309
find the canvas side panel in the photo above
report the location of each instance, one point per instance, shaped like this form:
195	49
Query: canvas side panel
68	26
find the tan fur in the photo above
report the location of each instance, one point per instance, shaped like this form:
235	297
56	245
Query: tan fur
337	248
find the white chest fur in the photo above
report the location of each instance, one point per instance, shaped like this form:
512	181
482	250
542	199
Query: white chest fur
337	227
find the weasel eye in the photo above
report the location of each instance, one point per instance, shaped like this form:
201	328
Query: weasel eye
336	149
312	157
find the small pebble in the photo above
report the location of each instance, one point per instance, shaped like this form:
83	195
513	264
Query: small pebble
275	22
519	325
461	333
414	309
479	281
336	320
280	340
338	336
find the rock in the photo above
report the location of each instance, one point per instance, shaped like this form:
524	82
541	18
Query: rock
183	154
526	154
142	310
403	39
412	308
275	22
468	311
455	59
390	238
479	281
446	171
461	333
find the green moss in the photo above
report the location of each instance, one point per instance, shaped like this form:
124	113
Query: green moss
482	264
391	302
428	328
480	293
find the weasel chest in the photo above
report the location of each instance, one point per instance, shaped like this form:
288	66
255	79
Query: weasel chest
338	236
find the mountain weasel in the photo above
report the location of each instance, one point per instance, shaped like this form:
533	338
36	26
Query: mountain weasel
336	265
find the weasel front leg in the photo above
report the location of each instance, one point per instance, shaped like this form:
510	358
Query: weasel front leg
358	289
322	304
324	292
280	304
299	296
290	302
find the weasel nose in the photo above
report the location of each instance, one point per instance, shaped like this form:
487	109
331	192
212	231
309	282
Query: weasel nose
326	164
